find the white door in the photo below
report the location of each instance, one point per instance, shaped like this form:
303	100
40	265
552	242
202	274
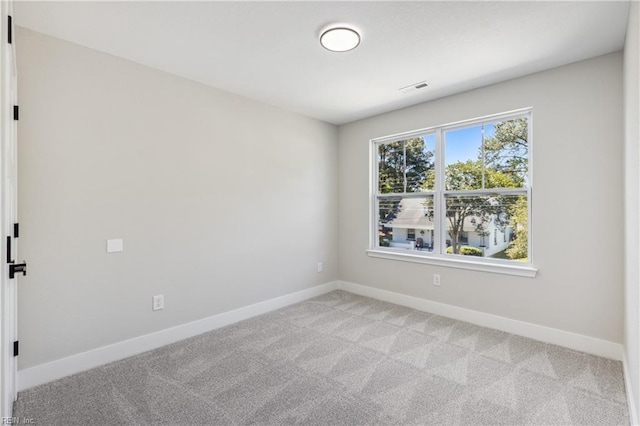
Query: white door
9	211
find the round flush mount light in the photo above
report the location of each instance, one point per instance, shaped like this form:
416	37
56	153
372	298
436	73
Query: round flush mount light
340	39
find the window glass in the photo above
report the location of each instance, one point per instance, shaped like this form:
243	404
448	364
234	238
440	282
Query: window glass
506	154
405	222
463	168
488	225
406	165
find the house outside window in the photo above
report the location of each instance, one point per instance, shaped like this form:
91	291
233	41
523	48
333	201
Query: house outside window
456	185
464	238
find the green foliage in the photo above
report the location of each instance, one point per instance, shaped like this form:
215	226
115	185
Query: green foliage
470	251
430	180
466	250
403	163
518	248
507	150
461	176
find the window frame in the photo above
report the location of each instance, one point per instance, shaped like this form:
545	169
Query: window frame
438	256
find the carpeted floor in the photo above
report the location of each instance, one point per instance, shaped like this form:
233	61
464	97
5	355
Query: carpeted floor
341	359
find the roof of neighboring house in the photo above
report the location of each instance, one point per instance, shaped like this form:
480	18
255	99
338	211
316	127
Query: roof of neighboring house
412	214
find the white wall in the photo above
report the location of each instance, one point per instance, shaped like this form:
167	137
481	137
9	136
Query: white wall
221	201
577	186
632	211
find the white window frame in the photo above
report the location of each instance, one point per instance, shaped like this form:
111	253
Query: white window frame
438	257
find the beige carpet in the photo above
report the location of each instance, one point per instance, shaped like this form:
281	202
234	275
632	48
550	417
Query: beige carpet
341	359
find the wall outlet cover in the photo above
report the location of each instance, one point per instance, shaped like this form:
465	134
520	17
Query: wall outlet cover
158	302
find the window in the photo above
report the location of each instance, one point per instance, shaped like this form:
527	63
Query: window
457	186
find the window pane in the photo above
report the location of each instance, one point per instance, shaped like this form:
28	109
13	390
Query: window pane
407	165
406	223
462	159
488	226
391	167
421	173
506	154
491	155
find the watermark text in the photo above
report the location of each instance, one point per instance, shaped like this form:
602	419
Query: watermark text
18	421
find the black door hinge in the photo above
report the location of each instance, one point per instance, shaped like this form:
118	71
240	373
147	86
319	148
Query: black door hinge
16	112
16	230
17	268
9	256
10	35
15	348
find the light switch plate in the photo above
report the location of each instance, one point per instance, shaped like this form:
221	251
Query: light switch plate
114	246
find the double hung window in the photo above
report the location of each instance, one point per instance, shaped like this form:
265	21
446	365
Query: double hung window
459	192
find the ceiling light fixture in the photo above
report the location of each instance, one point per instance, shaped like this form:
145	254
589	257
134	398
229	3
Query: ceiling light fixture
340	39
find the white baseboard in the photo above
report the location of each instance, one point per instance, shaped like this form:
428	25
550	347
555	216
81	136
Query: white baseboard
57	369
541	333
631	401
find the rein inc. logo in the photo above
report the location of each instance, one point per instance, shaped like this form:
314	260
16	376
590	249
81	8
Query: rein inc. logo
18	421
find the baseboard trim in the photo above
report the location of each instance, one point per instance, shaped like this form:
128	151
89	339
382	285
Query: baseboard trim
60	368
631	402
541	333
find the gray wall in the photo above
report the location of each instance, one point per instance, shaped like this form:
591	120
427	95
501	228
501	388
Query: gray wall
577	215
632	197
221	201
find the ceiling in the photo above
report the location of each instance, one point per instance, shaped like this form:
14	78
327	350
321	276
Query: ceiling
269	51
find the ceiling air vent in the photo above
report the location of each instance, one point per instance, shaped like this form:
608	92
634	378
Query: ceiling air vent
415	86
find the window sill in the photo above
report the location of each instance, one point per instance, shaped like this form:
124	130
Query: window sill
524	270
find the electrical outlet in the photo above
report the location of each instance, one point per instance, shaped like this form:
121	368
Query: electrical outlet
158	302
320	267
436	279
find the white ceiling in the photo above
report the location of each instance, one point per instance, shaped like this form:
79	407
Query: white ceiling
269	51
